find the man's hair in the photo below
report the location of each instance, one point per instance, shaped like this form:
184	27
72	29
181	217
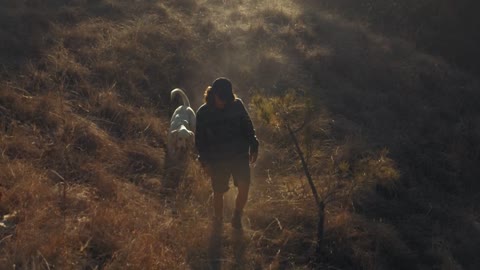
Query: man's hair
222	87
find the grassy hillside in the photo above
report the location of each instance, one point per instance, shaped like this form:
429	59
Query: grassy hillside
84	109
444	28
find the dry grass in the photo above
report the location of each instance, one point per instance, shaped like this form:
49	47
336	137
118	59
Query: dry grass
84	109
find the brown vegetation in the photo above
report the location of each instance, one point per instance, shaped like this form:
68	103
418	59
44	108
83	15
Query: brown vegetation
84	109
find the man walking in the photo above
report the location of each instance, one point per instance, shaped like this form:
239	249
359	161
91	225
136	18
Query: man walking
226	143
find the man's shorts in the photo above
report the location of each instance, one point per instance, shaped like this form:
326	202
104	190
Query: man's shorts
221	171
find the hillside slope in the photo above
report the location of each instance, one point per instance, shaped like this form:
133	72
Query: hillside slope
84	109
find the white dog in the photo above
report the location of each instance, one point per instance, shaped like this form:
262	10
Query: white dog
181	136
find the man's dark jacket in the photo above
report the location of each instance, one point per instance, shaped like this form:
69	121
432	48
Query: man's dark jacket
223	135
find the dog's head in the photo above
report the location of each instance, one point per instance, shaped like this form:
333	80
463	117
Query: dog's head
183	140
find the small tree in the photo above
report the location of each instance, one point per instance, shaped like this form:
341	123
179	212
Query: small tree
282	113
292	115
352	170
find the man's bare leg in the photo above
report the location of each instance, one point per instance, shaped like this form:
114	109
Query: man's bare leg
242	196
241	200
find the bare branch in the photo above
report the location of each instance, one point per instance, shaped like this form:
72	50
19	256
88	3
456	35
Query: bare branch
317	198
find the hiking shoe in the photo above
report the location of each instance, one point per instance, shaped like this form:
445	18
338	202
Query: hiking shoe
237	220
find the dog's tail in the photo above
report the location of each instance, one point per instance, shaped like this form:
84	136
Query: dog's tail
179	91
